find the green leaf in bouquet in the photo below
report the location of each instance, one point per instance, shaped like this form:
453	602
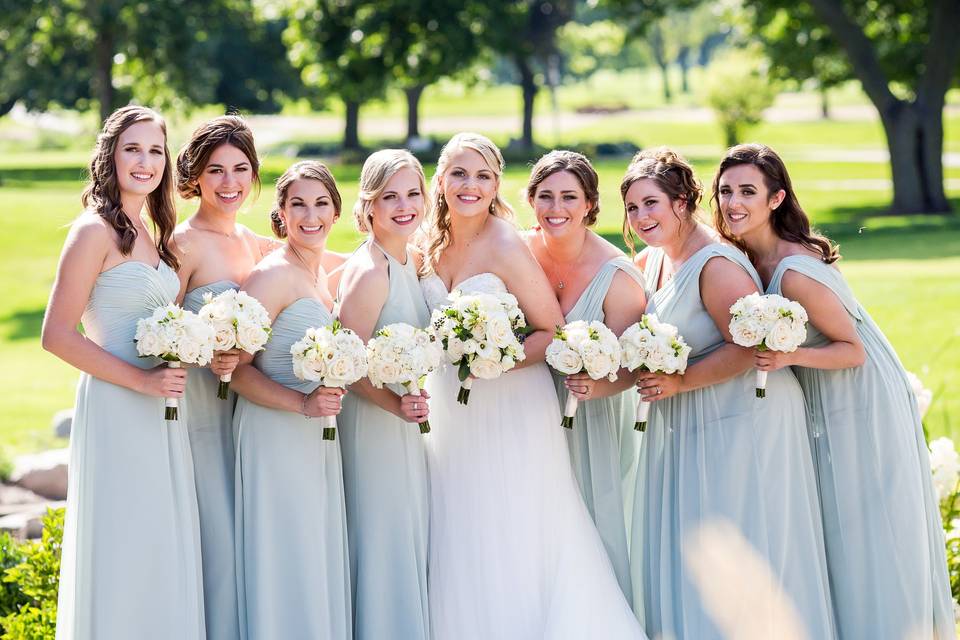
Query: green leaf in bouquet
463	371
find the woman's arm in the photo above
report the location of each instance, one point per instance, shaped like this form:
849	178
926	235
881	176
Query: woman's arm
827	313
722	283
87	246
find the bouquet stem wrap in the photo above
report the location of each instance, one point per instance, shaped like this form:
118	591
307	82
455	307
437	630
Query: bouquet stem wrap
414	389
643	412
171	404
223	389
761	384
463	396
569	411
329	424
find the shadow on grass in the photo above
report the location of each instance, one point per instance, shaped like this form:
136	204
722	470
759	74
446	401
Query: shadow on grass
13	177
22	325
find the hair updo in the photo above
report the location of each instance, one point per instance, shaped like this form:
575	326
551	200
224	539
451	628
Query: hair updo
306	170
579	166
207	138
671	173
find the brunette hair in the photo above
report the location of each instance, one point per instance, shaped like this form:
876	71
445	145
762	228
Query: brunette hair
206	139
102	193
789	221
437	235
579	166
377	171
672	174
306	170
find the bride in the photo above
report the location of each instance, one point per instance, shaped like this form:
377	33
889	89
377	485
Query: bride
513	551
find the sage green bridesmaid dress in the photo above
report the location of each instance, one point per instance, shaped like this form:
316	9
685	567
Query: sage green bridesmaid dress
720	459
603	444
293	571
385	481
211	440
885	546
131	545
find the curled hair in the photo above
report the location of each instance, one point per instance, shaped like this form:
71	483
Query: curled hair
579	166
437	235
102	193
789	221
304	170
671	173
377	171
207	138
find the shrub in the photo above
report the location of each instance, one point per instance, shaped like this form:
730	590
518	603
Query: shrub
37	578
738	90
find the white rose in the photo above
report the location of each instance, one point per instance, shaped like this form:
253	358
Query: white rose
340	370
747	332
251	337
485	369
149	343
470	346
499	331
387	371
783	336
565	360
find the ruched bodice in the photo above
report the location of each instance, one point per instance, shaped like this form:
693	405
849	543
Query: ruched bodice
289	326
122	295
193	299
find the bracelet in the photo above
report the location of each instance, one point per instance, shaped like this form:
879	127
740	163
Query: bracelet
303	406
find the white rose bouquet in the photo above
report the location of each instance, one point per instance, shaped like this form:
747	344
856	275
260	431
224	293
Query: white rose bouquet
334	356
583	347
481	335
651	345
176	336
768	322
238	321
402	354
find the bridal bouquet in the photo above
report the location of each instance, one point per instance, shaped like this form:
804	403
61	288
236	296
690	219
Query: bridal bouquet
402	354
479	333
176	336
768	322
238	321
334	356
583	347
651	345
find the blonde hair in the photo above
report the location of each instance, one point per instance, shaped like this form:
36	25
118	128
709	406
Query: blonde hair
307	170
377	171
437	234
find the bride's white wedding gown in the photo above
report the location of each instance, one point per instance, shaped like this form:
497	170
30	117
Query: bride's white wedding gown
513	551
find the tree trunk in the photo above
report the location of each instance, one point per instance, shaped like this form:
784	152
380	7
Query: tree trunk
659	56
915	142
103	70
824	103
683	59
413	110
351	130
528	85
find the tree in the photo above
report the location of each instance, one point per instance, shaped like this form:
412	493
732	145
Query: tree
341	48
905	54
78	52
738	91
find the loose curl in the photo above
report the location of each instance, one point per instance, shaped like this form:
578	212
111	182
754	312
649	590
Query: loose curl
306	170
377	171
437	234
789	221
207	138
672	174
579	166
102	193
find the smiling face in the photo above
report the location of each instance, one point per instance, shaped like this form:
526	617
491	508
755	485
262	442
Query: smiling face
469	185
745	202
226	180
140	158
398	210
560	204
652	214
308	213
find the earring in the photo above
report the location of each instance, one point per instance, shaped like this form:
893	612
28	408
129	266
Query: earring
492	208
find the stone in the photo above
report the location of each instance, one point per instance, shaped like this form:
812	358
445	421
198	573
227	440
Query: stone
43	473
62	421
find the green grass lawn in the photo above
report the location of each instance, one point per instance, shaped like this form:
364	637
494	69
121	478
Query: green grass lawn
906	271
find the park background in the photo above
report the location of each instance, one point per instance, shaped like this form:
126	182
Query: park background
868	123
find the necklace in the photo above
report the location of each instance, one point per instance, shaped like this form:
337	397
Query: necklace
316	276
563	276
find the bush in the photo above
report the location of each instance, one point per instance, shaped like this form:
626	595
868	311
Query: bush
738	90
36	577
11	555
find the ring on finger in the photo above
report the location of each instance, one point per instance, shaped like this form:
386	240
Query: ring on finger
659	390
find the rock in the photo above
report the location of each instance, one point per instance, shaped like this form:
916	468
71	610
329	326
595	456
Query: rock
62	421
43	473
12	498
